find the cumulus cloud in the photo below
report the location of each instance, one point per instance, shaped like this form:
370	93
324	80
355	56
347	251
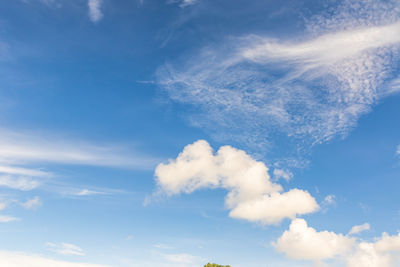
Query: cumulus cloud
356	229
18	259
302	242
65	249
307	90
95	12
252	196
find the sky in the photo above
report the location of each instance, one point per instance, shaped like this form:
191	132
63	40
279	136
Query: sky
181	132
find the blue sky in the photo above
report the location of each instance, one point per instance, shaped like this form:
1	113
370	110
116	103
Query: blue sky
180	132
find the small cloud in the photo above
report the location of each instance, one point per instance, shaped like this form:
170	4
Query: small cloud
329	200
65	249
95	13
87	192
163	246
6	218
282	174
32	203
186	3
18	182
182	258
129	237
182	3
359	228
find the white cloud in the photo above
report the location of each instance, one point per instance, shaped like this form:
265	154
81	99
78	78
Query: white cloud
329	200
7	218
384	252
18	259
303	242
308	90
359	228
182	3
95	12
163	246
182	258
282	174
27	148
23	171
32	203
19	183
186	3
252	196
87	192
65	249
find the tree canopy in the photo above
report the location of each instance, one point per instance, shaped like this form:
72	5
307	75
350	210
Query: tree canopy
215	265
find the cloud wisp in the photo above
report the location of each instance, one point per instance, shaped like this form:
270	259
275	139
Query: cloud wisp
307	91
21	153
17	259
302	242
252	195
95	10
65	249
356	229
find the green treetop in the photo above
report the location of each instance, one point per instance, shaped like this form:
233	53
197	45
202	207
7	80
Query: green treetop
215	265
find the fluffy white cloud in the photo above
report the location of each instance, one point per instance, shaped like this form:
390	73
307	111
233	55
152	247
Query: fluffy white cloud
359	228
252	196
307	90
95	12
384	252
65	249
302	242
18	259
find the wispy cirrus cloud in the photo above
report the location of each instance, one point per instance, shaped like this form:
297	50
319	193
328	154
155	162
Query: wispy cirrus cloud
18	148
305	91
65	249
23	155
18	259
